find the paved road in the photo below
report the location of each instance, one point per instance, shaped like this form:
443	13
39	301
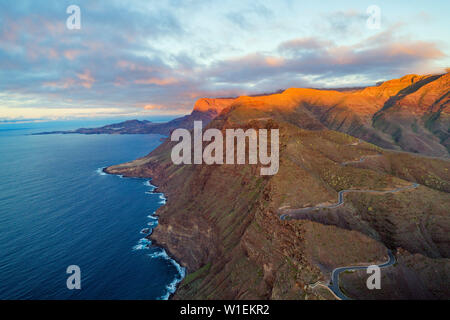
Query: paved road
334	285
444	158
362	159
341	193
292	212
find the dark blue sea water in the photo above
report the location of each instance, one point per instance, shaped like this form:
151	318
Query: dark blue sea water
57	209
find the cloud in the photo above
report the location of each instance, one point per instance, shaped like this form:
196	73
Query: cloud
160	56
71	54
320	58
303	44
343	22
156	81
86	79
64	84
245	17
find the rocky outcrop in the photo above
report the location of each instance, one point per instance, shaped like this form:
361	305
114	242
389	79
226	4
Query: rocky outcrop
410	113
222	221
418	117
214	105
205	110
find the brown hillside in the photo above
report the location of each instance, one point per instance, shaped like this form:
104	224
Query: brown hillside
223	222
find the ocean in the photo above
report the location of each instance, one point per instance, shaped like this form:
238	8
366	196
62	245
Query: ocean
57	208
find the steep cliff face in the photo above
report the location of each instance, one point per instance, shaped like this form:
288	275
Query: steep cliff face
204	110
223	221
410	113
418	118
214	105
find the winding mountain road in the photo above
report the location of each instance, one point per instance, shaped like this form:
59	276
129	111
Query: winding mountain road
334	285
387	151
334	288
292	212
362	159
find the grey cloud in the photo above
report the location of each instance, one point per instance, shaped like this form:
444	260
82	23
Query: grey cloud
310	57
113	59
343	23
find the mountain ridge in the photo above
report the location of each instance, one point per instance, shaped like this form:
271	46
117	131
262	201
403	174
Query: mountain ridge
222	222
411	113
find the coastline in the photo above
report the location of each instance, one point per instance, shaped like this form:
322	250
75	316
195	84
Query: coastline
154	242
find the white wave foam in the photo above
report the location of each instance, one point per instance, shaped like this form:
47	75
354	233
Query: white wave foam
143	244
162	198
146	231
171	287
140	247
100	171
152	224
148	184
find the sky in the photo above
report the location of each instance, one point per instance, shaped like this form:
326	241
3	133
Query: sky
146	58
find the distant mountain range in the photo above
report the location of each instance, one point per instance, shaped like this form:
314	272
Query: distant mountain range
411	113
205	110
227	224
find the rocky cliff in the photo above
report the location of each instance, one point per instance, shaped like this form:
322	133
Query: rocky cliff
410	113
223	221
204	110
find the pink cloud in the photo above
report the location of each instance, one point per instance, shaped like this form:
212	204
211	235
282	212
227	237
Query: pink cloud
86	79
154	107
131	66
64	84
53	54
71	54
274	61
157	81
